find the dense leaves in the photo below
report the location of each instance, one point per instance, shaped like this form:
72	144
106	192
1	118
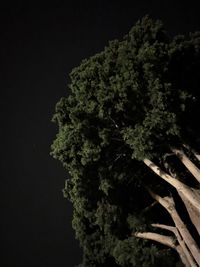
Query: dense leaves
128	102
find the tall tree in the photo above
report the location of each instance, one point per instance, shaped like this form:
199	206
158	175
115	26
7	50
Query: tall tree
127	134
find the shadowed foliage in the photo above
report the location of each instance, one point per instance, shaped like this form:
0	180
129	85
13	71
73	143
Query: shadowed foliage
134	100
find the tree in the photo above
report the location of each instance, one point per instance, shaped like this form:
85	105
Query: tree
127	133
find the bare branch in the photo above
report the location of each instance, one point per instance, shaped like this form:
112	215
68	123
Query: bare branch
182	188
183	251
169	205
192	168
196	154
166	202
165	176
165	227
163	239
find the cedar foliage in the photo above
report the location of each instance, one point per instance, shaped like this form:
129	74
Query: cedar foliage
134	100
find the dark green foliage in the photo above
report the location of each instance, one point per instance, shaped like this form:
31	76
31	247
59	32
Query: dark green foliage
126	103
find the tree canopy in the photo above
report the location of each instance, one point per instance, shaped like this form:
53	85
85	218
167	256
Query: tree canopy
135	100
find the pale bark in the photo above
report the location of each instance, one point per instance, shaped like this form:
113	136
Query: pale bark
169	205
190	194
192	168
163	239
193	213
167	241
184	258
183	251
196	154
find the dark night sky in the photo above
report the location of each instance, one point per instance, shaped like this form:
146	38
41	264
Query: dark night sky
38	48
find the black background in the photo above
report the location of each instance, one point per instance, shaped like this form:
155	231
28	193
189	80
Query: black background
38	48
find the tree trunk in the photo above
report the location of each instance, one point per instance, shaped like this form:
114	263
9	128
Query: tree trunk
184	258
183	251
189	196
192	195
167	241
193	213
169	205
196	154
192	168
